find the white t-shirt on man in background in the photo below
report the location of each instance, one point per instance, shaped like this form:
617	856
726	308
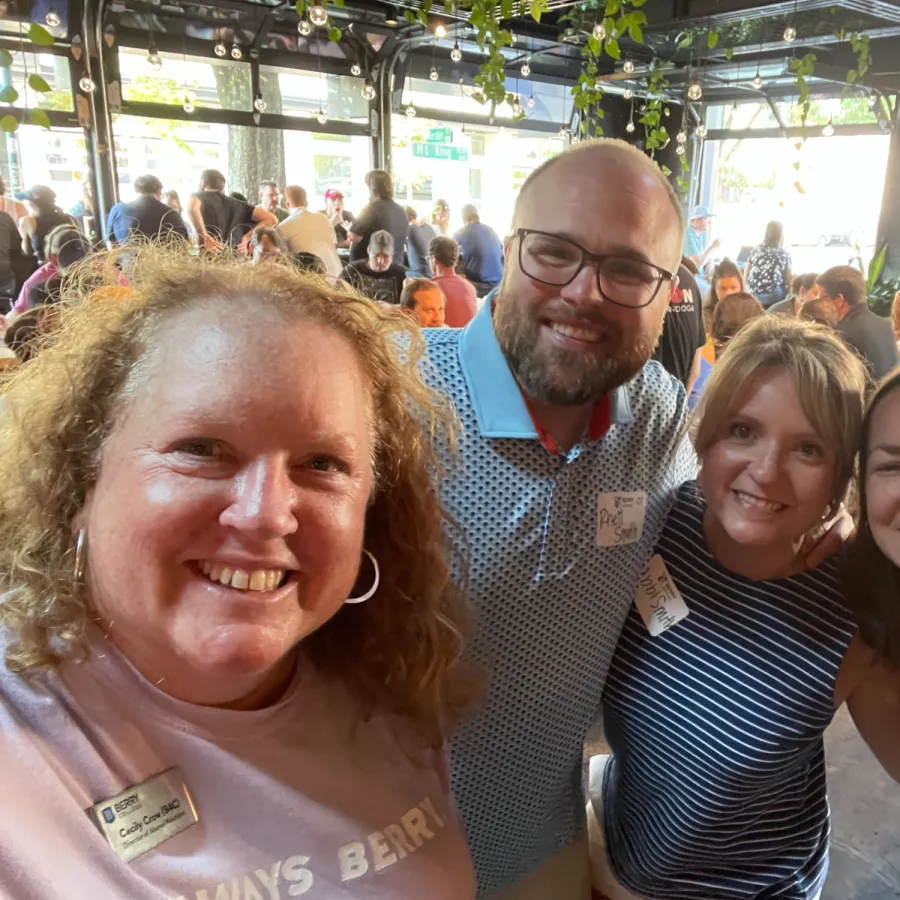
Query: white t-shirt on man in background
311	232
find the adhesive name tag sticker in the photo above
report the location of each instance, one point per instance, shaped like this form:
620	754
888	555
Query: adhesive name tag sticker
657	598
145	815
620	518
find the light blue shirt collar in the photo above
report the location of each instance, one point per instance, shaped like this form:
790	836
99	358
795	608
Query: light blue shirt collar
496	397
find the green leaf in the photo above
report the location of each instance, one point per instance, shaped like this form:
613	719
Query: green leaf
712	39
37	83
300	6
423	17
409	16
686	41
612	48
729	53
39	36
339	3
538	8
5	58
39	117
612	7
506	9
852	76
595	46
636	34
8	94
9	124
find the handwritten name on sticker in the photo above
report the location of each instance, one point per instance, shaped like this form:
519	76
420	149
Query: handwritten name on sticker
620	518
657	599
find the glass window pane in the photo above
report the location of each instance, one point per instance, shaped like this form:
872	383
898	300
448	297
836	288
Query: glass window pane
210	83
301	93
53	69
58	158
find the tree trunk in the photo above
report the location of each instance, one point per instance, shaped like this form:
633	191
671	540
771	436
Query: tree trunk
254	154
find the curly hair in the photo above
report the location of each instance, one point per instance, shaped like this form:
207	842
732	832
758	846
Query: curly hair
397	653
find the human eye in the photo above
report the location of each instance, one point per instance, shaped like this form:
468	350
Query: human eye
549	250
811	450
741	431
200	448
327	464
631	271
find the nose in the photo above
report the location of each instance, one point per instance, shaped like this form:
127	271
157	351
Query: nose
765	463
264	501
583	288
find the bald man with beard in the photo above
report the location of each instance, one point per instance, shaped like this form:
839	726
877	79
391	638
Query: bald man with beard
574	446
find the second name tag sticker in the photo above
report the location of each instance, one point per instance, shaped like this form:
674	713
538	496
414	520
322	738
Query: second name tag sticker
620	518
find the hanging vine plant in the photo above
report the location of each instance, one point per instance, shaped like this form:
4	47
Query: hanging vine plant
39	37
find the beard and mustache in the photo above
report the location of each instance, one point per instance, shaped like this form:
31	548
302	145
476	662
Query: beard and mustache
563	377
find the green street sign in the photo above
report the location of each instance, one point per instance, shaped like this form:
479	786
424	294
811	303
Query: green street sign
440	151
440	135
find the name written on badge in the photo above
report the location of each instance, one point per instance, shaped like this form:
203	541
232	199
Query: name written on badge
620	518
145	815
657	599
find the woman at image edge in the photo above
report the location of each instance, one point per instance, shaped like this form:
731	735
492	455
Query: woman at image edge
196	481
716	786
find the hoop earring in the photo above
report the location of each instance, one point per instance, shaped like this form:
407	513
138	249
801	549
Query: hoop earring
371	591
80	554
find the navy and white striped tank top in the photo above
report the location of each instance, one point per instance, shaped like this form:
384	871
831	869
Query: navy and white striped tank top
717	785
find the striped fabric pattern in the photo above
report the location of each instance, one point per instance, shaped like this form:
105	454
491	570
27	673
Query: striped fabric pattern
717	786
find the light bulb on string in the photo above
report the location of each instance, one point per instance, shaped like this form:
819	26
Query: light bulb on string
531	102
629	127
259	104
433	74
456	53
516	107
629	93
52	18
188	106
355	70
440	30
828	130
236	52
86	83
628	67
757	81
680	149
410	111
322	117
790	34
305	27
220	49
318	16
701	131
563	132
695	91
525	70
368	91
153	58
599	31
873	99
681	137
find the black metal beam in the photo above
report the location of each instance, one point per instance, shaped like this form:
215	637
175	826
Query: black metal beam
810	131
440	115
239	117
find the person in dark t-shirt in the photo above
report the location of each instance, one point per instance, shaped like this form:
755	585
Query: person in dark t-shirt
220	219
683	334
417	244
377	277
146	215
381	214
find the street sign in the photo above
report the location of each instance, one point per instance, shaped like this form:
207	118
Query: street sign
440	151
440	135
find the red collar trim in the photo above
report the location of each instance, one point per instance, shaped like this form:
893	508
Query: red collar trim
597	427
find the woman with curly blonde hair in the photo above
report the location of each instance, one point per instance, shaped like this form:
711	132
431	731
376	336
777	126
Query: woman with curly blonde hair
228	632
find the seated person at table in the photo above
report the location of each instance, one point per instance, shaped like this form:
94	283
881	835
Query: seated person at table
459	293
482	251
378	277
423	301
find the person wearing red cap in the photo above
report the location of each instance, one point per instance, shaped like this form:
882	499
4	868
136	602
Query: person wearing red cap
340	218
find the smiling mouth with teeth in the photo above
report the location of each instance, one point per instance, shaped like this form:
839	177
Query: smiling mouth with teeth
241	579
752	502
589	335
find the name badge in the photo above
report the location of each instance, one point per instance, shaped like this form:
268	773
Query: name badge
657	599
620	518
145	815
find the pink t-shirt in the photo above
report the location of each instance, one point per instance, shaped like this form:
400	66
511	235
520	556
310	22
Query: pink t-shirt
301	798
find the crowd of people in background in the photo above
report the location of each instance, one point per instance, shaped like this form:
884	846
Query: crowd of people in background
332	531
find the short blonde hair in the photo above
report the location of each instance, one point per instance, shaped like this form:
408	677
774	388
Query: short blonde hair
398	652
829	377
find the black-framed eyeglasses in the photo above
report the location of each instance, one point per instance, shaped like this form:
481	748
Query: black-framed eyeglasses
623	280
